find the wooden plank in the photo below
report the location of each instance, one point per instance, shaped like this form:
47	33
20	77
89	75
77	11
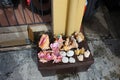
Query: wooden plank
10	15
28	19
19	15
3	20
46	18
37	18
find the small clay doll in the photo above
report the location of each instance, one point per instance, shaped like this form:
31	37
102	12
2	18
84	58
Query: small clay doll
66	45
79	37
44	42
87	54
55	47
74	43
80	57
59	40
80	51
45	56
77	51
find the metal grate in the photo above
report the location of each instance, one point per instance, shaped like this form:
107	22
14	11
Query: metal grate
24	12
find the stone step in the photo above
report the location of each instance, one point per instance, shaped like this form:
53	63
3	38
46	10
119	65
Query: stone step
13	36
13	29
14	39
18	35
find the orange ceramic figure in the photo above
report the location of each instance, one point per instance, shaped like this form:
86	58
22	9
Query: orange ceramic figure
79	36
44	42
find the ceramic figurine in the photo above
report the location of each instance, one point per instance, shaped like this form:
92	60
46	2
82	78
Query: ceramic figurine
65	59
66	46
72	60
70	53
63	53
77	51
74	43
80	51
43	60
41	54
87	54
67	42
80	57
70	44
45	56
58	59
48	57
79	36
60	41
44	42
55	48
54	45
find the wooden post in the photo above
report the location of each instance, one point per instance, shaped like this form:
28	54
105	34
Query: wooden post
75	15
67	16
59	16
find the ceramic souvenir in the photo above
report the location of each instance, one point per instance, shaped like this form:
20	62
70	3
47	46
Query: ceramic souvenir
79	36
77	51
44	42
74	43
60	41
43	60
58	59
67	42
80	57
87	54
63	53
55	47
48	57
66	45
66	48
41	54
65	59
70	53
82	50
72	60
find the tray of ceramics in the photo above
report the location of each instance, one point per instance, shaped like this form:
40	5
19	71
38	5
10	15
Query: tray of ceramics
61	50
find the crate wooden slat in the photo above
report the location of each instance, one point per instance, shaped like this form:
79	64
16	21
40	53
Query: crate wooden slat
21	15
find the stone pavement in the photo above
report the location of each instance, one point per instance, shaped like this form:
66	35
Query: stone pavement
21	65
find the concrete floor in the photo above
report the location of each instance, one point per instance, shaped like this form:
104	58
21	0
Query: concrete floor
21	64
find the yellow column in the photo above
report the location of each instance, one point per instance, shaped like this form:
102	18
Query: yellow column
59	16
67	16
75	15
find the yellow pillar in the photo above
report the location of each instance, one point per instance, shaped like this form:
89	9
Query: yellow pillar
67	16
75	15
59	16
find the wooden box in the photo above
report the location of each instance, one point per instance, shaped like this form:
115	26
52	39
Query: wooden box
49	68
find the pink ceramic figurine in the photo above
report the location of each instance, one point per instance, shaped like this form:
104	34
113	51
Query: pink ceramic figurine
44	42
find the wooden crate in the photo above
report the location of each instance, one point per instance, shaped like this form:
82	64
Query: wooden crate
49	68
